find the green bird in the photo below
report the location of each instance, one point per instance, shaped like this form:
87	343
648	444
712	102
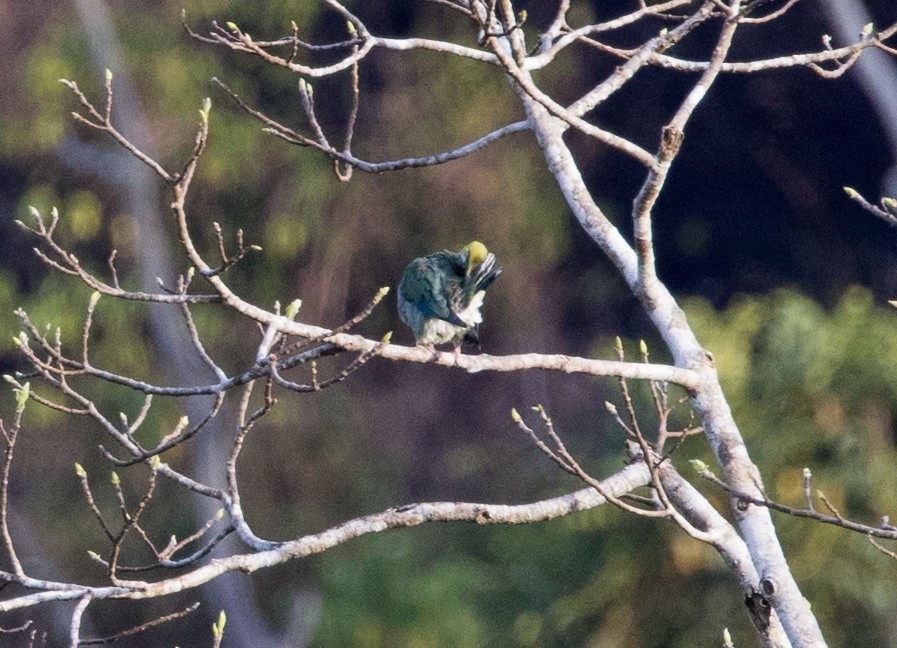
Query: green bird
441	294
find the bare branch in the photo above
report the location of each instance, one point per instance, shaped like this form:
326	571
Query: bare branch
887	212
75	627
69	264
103	123
10	435
836	519
837	55
291	136
405	516
140	628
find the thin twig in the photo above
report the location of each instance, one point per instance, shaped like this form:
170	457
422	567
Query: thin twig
140	628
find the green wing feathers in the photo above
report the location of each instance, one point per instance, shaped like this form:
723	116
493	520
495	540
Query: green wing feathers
440	295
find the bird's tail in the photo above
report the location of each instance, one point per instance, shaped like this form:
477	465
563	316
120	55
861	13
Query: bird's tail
484	275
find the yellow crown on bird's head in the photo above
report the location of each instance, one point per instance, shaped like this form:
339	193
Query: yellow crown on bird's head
476	254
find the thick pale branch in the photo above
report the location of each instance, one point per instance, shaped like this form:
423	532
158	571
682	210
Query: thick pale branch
549	51
356	343
525	82
671	142
637	61
836	55
629	478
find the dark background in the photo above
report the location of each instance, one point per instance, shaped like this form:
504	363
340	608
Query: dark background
783	278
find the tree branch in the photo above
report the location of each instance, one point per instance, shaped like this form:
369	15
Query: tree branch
629	478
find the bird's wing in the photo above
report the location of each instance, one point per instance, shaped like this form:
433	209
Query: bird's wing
431	284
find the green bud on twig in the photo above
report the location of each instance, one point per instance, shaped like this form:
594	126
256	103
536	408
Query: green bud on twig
851	192
698	465
218	627
515	415
22	395
293	308
115	479
204	111
79	470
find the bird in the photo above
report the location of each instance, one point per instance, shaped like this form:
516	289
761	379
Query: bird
441	295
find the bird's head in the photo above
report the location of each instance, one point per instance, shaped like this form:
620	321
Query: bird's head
476	254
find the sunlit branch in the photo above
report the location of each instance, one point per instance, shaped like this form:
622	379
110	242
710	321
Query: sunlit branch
627	479
884	530
671	142
525	83
551	48
638	60
838	56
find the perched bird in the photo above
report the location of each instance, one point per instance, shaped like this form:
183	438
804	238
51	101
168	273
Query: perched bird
440	295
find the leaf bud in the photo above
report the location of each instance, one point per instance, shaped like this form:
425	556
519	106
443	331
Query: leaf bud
698	465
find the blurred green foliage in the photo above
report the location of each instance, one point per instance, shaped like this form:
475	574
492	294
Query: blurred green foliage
810	385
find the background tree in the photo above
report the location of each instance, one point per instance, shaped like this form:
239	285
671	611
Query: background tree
532	218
